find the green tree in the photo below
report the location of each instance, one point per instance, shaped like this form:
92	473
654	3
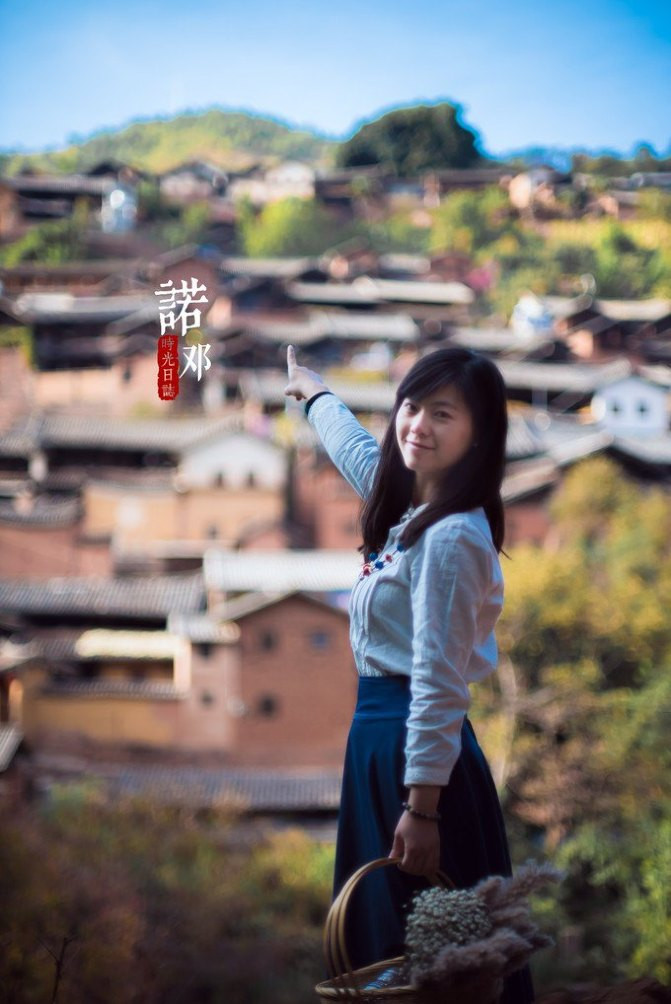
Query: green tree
623	269
21	336
654	204
191	225
574	259
410	140
397	233
151	205
144	902
471	221
586	641
53	242
290	227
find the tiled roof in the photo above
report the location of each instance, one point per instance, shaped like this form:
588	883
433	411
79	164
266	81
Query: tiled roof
396	327
103	643
528	476
488	175
268	386
422	292
187	251
14	654
659	374
330	324
368	290
412	263
55	646
564	306
42	307
332	292
280	571
203	629
495	340
583	378
280	268
524	436
44	512
58	183
139	550
169	435
616	310
349	173
155	596
567	440
654	450
21	438
10	487
634	310
242	606
71	268
139	690
145	480
10	740
252	789
144	314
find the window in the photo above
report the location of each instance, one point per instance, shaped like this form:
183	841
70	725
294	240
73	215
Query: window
268	706
615	407
267	640
207	698
642	408
204	650
320	639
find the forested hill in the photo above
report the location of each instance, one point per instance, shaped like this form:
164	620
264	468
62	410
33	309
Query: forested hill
229	139
407	139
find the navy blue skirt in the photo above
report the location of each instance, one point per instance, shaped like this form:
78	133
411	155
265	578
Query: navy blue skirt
473	841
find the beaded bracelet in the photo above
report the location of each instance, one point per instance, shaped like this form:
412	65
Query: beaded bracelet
433	816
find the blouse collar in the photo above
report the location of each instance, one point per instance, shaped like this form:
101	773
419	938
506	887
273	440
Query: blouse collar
412	510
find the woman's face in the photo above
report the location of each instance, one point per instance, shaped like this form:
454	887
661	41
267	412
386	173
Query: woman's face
433	434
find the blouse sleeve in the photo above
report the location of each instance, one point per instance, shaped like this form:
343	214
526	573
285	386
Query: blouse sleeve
353	450
450	576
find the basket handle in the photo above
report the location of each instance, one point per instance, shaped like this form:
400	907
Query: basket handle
335	949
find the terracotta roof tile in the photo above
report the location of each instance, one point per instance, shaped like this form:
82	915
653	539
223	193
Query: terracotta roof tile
155	596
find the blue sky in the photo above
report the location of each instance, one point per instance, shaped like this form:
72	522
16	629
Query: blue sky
590	73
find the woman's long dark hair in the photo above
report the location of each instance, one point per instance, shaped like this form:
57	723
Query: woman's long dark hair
475	480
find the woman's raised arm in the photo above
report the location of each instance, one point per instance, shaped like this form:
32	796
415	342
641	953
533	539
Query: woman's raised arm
353	450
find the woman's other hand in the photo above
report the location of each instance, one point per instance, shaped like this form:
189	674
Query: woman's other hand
303	383
417	842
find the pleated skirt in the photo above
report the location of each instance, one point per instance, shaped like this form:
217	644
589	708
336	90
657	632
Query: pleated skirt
473	841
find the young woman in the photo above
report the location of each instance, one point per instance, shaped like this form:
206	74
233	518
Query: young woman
416	784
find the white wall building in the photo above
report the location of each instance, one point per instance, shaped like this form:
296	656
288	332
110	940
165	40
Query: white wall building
290	179
236	460
632	406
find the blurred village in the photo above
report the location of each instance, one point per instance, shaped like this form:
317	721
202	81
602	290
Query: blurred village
174	573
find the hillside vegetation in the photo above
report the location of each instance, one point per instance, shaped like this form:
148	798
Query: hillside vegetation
232	140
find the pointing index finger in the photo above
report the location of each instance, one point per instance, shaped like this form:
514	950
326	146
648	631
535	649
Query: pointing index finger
291	359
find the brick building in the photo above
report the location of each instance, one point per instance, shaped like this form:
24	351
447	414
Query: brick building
116	669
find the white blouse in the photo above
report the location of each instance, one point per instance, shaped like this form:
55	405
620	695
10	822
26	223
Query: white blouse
429	611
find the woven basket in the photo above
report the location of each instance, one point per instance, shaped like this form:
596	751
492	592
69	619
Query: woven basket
347	983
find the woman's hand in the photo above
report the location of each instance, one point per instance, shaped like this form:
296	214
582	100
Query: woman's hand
417	842
303	383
